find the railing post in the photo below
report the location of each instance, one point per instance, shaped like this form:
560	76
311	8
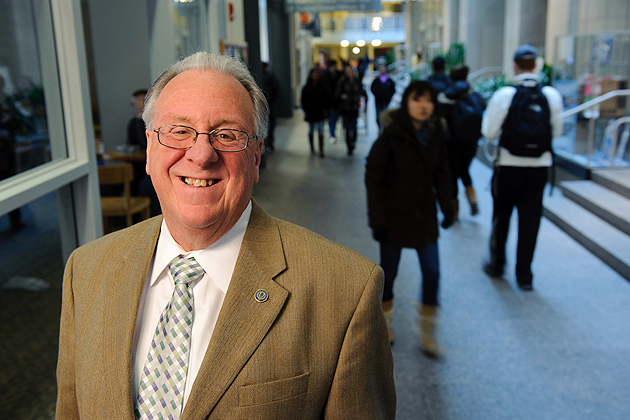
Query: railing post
590	139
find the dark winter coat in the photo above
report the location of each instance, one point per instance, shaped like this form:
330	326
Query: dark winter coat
383	92
314	102
404	179
464	132
354	91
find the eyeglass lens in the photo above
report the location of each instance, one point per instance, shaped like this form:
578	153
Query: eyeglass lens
184	137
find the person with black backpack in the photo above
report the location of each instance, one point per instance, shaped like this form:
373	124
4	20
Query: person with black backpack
525	117
463	110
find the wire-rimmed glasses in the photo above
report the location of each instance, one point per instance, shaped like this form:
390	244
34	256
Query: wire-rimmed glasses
184	137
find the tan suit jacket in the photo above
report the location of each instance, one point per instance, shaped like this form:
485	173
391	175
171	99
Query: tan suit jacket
317	348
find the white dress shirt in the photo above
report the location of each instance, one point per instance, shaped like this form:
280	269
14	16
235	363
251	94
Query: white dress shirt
218	261
497	111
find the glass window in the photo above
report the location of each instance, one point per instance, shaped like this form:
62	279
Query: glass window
30	304
31	120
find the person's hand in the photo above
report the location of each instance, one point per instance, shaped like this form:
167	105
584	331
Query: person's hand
380	233
448	221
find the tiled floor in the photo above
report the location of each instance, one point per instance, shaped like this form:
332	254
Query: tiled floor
560	352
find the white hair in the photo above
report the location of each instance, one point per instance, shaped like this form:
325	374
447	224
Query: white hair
219	63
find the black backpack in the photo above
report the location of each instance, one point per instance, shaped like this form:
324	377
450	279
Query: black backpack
527	127
465	119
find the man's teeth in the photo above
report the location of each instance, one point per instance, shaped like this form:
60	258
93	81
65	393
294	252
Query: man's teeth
198	182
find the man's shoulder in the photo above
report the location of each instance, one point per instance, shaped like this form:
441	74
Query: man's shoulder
121	241
504	91
300	240
552	93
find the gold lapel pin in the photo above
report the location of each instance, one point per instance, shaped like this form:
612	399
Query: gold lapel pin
261	296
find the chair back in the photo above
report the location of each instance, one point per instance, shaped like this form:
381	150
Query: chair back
120	173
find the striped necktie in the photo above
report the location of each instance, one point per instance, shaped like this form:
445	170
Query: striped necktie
161	389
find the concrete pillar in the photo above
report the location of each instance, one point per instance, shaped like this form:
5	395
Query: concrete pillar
118	70
414	35
252	36
279	52
481	30
525	23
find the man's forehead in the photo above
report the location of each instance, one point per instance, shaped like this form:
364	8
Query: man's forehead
205	99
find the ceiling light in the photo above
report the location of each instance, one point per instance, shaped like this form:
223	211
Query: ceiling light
377	23
345	43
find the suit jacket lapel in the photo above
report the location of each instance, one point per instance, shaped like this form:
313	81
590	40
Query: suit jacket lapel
124	297
243	321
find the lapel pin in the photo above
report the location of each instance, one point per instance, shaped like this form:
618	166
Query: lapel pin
261	296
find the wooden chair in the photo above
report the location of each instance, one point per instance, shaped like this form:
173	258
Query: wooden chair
125	205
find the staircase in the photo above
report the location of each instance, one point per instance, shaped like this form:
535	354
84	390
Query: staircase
596	213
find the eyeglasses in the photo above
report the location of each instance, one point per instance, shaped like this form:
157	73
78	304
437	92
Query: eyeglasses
222	139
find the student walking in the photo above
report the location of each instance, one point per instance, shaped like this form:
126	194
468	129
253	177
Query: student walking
406	176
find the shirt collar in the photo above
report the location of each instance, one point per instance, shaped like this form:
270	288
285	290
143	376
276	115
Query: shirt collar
218	260
526	79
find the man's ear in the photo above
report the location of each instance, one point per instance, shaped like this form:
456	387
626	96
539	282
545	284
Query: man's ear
257	158
148	134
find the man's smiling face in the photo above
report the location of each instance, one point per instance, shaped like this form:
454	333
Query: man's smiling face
203	192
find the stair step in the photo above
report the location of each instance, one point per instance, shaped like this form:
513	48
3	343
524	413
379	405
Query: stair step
605	241
617	180
604	203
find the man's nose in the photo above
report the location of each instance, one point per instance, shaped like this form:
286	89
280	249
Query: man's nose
202	152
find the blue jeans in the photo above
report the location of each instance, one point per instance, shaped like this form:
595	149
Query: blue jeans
333	116
429	266
316	125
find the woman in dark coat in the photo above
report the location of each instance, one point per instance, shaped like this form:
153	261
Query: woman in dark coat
348	95
406	174
314	100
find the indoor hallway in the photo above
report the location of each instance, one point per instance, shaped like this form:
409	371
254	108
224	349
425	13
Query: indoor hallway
559	352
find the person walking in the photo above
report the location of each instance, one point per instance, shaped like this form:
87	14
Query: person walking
406	174
526	117
348	95
330	77
383	88
439	79
463	110
314	100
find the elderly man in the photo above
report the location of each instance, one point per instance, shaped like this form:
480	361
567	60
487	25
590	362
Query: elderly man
216	309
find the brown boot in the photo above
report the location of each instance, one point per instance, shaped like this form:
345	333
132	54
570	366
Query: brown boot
388	310
321	146
471	195
455	209
426	331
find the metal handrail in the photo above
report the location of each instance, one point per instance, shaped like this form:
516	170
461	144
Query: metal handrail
478	73
612	132
595	101
590	137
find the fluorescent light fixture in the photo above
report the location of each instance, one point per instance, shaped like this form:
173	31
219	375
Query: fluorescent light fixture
377	23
